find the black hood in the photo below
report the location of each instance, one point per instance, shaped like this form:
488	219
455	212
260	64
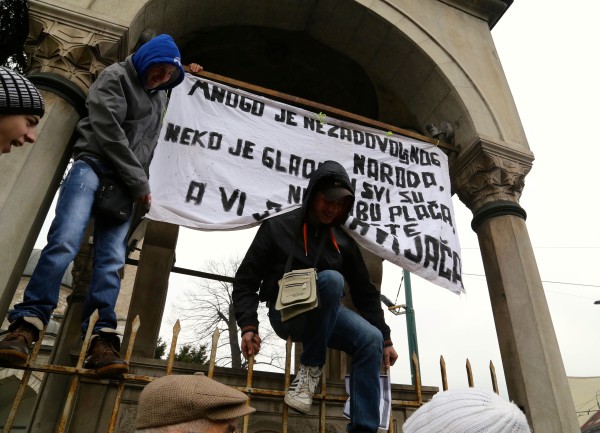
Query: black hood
335	171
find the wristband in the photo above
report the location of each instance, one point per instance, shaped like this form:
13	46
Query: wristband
249	329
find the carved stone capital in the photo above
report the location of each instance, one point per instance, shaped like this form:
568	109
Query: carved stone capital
72	45
488	172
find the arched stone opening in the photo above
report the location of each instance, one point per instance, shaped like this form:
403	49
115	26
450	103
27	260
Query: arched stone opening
287	61
336	52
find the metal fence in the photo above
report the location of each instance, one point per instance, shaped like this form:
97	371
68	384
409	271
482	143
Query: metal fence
321	397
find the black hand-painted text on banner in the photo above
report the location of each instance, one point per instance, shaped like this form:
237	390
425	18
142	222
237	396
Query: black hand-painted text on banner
228	159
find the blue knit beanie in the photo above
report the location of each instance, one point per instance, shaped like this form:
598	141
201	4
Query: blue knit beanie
160	49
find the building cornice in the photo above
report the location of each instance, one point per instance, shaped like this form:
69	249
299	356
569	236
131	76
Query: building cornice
488	10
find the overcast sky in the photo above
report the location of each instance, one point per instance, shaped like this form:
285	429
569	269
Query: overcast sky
548	52
547	49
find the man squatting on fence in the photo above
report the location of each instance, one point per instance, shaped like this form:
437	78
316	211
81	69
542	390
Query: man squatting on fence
364	335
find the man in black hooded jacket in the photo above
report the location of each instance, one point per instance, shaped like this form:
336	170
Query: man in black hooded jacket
313	233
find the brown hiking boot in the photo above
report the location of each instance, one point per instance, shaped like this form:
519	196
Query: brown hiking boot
103	356
14	348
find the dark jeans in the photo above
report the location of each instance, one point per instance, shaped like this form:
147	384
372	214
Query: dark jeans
335	326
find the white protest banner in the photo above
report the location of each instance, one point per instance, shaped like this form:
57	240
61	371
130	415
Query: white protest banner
227	159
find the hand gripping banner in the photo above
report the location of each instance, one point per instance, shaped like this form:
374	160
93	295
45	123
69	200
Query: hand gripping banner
227	159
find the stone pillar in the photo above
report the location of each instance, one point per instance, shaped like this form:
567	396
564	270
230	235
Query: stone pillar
489	179
151	285
30	177
67	51
64	61
338	363
54	389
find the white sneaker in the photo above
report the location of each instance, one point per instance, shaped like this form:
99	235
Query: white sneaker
300	395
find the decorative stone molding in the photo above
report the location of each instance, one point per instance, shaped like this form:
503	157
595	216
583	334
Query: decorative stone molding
72	45
488	172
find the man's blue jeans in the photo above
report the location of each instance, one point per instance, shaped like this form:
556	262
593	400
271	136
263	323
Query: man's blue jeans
335	326
73	211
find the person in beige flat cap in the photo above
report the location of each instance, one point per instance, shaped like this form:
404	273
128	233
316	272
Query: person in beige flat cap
190	403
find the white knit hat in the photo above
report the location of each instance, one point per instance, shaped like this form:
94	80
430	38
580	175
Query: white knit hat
468	410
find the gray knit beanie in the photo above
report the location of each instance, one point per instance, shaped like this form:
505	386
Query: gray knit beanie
18	95
175	399
468	410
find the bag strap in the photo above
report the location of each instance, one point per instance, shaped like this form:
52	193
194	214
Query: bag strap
108	172
92	164
288	264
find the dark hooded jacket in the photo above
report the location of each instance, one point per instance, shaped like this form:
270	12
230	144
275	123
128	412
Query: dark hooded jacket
124	119
264	263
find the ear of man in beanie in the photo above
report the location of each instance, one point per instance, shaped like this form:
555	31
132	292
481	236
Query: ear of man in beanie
467	411
18	95
176	399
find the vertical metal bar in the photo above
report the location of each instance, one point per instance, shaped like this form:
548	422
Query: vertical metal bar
286	383
10	419
171	358
415	361
322	406
470	374
444	374
113	417
213	353
411	326
75	381
494	378
248	390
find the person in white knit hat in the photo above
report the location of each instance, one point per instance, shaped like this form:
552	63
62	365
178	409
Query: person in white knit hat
190	403
468	410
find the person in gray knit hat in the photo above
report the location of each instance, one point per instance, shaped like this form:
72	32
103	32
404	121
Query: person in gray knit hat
468	410
21	107
190	403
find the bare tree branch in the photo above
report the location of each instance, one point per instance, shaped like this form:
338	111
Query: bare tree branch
209	306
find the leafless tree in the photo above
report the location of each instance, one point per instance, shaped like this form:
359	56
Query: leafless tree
209	306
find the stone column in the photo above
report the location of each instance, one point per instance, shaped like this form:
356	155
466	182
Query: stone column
151	285
54	389
30	177
64	61
338	363
67	51
489	179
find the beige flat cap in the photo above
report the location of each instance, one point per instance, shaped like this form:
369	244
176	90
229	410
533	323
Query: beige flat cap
175	399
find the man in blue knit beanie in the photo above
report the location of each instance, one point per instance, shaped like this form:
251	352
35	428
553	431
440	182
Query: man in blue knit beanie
125	109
